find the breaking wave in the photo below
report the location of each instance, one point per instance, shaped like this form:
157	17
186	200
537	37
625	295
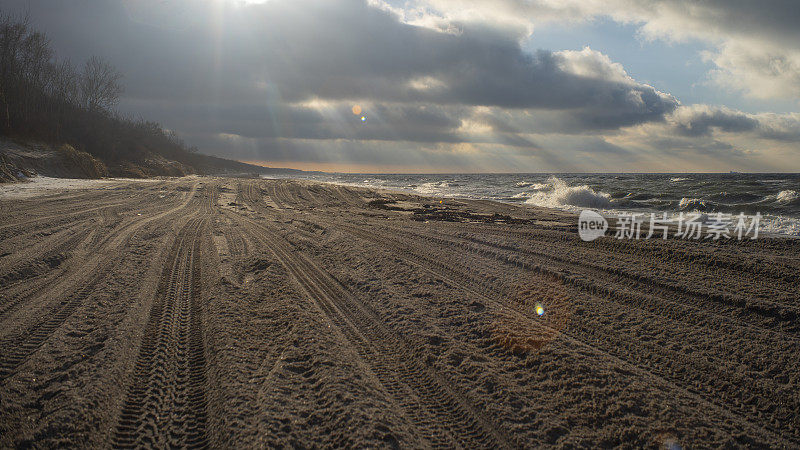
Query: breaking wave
433	188
533	186
694	204
561	195
787	196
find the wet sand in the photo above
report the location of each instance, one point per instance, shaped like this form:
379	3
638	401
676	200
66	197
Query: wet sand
259	313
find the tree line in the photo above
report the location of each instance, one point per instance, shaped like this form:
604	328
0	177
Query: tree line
51	99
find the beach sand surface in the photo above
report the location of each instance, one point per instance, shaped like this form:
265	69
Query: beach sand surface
258	313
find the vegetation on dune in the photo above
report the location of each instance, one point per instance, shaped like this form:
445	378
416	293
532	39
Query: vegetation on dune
89	164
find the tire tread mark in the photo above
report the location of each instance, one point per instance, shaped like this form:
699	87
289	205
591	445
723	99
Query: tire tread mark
471	284
166	402
665	291
400	370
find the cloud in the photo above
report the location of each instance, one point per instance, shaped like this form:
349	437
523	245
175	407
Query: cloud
705	120
716	138
756	45
306	49
760	71
702	120
442	83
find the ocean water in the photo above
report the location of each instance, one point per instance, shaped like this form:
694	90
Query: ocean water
775	196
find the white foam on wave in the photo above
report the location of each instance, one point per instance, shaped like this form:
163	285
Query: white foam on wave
372	183
677	180
433	188
560	195
787	196
533	186
689	202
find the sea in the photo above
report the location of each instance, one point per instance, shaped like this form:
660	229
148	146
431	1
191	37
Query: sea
776	197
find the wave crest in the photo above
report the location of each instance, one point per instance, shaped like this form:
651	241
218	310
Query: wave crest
694	204
533	186
787	196
560	195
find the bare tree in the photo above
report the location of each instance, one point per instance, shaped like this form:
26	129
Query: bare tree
99	85
35	59
12	34
63	91
63	84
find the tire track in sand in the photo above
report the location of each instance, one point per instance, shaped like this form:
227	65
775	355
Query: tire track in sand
636	290
38	334
444	417
48	263
477	287
24	345
166	403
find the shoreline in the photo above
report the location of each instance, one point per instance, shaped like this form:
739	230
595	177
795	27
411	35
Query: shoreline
41	185
610	214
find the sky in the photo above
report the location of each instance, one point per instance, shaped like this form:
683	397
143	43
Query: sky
434	86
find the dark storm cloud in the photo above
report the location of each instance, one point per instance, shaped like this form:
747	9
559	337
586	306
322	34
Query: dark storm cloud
354	51
702	123
290	51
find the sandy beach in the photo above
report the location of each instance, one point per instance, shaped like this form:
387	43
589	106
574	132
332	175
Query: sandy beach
248	313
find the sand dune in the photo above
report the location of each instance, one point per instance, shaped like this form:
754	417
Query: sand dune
251	313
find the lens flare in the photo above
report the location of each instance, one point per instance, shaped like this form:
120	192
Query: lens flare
356	110
534	329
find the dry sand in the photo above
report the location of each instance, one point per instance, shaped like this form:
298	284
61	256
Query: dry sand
261	313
